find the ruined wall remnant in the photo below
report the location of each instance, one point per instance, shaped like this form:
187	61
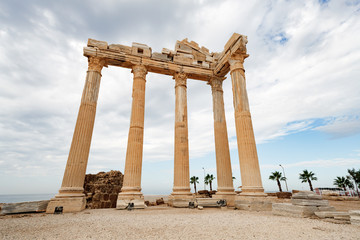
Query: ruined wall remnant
102	189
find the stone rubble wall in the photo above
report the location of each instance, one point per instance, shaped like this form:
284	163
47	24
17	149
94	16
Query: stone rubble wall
102	189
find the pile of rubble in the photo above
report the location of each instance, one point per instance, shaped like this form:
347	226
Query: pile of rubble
102	189
303	204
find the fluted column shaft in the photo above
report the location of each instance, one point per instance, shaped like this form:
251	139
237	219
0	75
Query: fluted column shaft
223	163
133	163
74	176
249	163
181	153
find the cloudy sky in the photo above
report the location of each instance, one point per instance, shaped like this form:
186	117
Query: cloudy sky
302	78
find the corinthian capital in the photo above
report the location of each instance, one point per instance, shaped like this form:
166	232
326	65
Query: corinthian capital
139	71
216	84
180	79
236	61
96	64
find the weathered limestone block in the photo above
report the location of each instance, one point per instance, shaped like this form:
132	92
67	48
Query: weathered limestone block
327	209
180	47
209	59
168	52
205	64
355	217
232	40
325	214
24	207
250	205
160	56
342	216
181	203
194	45
207	202
96	43
122	204
182	59
287	209
72	204
199	56
141	49
309	202
354	213
120	48
306	195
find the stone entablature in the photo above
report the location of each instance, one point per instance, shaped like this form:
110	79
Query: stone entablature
197	62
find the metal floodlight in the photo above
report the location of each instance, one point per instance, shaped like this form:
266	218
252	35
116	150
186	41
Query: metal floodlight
130	206
58	210
221	203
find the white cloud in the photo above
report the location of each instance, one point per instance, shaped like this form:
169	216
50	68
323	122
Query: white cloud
303	66
341	126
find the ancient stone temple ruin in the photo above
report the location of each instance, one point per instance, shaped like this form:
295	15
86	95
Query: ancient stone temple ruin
187	61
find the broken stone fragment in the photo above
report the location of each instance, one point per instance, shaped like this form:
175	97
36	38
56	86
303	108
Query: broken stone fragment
205	50
96	43
194	45
309	202
205	64
120	48
329	214
182	60
209	59
199	56
140	45
287	209
180	47
140	49
160	56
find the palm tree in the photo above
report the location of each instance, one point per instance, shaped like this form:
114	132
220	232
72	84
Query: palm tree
277	176
306	176
343	182
194	180
208	180
355	176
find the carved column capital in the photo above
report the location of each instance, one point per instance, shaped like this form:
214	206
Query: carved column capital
236	61
96	64
216	84
139	71
180	79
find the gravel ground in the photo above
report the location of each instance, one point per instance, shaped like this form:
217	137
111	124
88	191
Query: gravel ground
170	223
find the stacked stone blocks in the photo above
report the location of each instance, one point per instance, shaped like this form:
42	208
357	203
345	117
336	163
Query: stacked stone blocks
102	189
303	204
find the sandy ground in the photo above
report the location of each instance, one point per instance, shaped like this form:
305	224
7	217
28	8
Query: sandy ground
170	223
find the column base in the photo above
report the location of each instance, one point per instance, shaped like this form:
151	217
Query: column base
180	200
69	204
124	198
228	196
253	191
181	193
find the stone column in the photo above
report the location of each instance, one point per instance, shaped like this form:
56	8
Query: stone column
133	164
71	196
223	164
249	163
181	187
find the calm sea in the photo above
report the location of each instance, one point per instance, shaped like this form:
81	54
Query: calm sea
13	198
